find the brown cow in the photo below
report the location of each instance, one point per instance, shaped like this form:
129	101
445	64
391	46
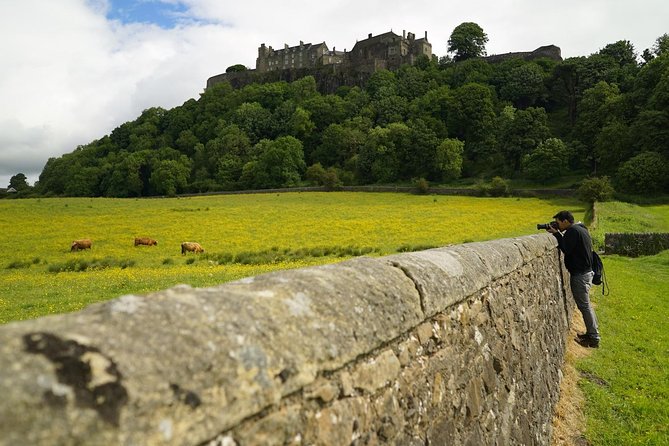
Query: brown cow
145	241
81	244
191	247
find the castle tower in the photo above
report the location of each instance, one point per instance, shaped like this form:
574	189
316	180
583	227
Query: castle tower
261	62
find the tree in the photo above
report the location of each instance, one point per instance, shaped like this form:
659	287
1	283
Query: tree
300	124
449	159
315	174
644	174
524	85
277	163
186	142
170	176
520	132
325	110
467	41
595	189
302	89
469	71
339	143
391	108
472	120
418	156
565	82
254	120
548	161
612	146
621	51
412	82
19	182
380	158
599	106
235	68
382	83
650	131
661	45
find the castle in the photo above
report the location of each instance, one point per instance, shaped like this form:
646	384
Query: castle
333	68
385	51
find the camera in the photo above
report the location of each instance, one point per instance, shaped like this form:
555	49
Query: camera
552	224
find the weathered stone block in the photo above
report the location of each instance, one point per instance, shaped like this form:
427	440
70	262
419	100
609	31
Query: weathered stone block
373	374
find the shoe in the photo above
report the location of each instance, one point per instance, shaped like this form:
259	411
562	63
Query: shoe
585	336
587	341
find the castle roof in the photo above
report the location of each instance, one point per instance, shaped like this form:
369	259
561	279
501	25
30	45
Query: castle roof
301	47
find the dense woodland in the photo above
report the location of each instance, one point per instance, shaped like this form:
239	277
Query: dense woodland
602	115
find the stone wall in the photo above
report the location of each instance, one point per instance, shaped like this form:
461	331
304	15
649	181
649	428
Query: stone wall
634	244
456	345
328	77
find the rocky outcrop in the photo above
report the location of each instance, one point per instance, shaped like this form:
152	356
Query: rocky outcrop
456	345
549	52
328	78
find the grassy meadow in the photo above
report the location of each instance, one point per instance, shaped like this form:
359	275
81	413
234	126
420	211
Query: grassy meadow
626	380
616	216
243	235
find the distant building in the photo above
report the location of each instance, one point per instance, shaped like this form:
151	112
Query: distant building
385	51
304	55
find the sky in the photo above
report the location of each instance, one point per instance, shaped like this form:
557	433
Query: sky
73	70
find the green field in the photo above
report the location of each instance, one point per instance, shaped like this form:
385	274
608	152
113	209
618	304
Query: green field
626	381
617	216
243	235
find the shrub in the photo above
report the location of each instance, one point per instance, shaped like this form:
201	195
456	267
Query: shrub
421	185
482	188
595	189
80	265
19	264
644	173
499	187
315	174
331	179
449	158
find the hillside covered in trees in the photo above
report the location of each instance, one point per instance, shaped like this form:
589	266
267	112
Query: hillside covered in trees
602	115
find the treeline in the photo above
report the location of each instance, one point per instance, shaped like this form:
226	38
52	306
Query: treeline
602	115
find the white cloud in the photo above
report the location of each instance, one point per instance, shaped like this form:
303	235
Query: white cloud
71	76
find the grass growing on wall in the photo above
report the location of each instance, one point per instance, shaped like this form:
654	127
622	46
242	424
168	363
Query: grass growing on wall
243	235
626	381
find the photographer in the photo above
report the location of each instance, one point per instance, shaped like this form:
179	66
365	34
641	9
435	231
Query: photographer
575	242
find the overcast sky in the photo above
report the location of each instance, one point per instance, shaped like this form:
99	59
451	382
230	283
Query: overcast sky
73	70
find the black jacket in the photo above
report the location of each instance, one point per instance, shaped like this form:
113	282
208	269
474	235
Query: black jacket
576	245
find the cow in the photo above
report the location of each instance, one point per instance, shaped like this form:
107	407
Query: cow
145	241
78	245
191	247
